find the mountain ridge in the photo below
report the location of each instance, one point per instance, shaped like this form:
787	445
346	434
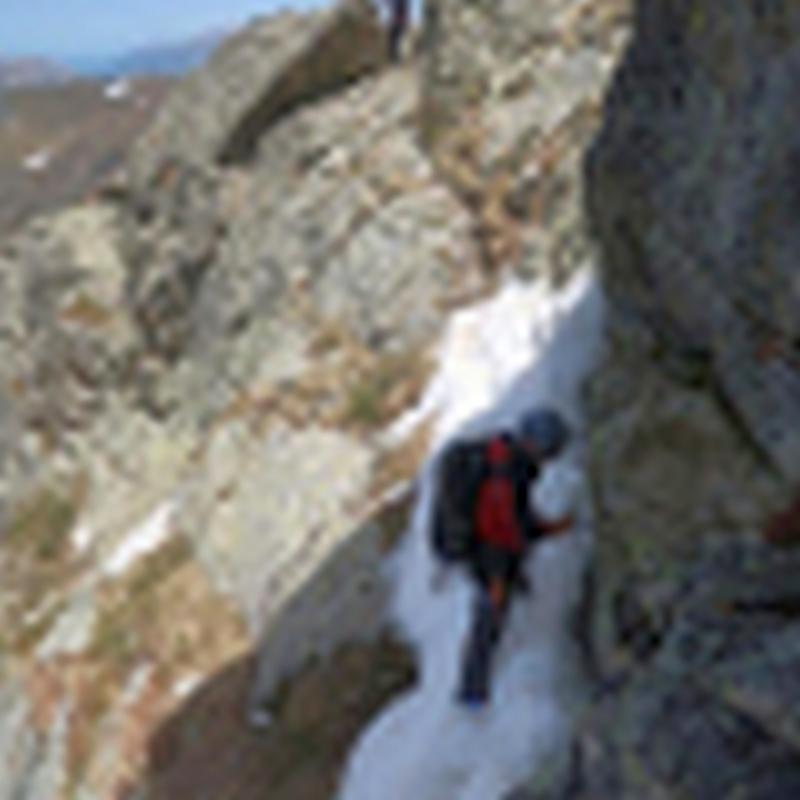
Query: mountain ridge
170	57
31	71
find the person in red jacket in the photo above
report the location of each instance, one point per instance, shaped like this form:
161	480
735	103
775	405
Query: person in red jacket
503	526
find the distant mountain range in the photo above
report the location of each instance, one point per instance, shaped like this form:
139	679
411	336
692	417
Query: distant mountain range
21	72
169	58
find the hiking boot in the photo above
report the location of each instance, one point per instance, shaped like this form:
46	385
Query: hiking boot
472	701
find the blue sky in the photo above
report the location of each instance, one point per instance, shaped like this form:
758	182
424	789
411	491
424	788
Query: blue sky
101	27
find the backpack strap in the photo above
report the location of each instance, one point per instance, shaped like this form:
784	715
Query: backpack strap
496	519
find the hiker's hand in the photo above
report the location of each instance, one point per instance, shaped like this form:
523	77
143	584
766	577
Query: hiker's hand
498	593
439	578
557	527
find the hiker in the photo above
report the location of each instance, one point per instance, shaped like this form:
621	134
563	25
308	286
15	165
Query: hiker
396	27
484	519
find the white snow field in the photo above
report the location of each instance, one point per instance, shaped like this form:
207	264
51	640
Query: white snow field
528	345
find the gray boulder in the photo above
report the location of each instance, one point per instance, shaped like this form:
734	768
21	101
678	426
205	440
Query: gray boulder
695	437
175	198
339	233
271	68
714	713
693	192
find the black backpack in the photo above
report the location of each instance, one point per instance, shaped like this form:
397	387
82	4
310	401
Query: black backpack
462	469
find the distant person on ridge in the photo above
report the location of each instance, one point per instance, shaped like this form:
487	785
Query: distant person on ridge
483	518
397	25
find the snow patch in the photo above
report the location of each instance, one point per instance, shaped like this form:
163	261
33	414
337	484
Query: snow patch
82	537
38	161
186	686
527	346
136	685
260	719
116	91
143	540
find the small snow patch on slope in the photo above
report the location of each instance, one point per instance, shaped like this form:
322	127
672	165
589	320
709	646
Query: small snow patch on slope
141	541
38	161
119	90
82	537
527	346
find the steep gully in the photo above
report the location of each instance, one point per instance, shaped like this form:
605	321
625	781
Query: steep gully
530	344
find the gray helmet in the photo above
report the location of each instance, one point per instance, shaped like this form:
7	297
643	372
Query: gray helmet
547	430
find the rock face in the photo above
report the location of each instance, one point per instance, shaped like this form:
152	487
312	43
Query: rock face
710	706
196	373
695	443
220	113
319	261
190	466
282	511
701	102
198	366
510	99
66	339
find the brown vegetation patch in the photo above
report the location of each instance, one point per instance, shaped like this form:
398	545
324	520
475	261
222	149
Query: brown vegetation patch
393	520
401	463
500	201
39	525
351	389
87	312
350	385
381	392
207	751
161	612
163	615
87	135
44	687
36	559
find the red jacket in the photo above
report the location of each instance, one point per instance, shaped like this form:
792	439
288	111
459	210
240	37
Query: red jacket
497	520
503	516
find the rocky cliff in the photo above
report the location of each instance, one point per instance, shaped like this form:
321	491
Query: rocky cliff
198	370
511	95
697	410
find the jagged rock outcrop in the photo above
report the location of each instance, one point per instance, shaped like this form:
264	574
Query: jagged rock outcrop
66	339
320	260
698	138
695	443
510	99
197	369
713	710
264	286
257	77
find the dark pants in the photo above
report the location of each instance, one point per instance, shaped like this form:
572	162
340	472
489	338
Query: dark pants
489	616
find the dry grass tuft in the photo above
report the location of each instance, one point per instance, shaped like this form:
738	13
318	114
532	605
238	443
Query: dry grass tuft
87	312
